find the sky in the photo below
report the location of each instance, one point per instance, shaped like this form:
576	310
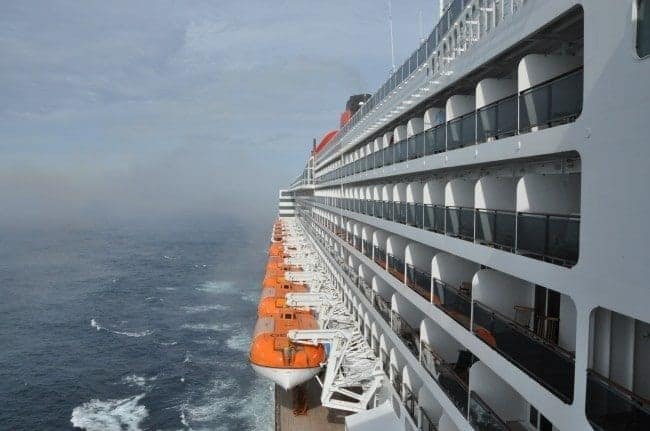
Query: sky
140	110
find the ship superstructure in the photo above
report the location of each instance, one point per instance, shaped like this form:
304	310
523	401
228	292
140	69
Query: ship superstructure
483	218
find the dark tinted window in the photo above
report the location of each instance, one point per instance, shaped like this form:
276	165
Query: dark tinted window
643	28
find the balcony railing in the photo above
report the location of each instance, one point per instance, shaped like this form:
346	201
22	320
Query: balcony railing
396	267
380	256
482	417
410	403
434	140
553	238
454	303
551	103
461	131
366	290
409	336
400	212
548	364
550	237
496	228
497	120
460	222
426	424
396	380
450	382
419	281
434	218
383	307
611	407
554	102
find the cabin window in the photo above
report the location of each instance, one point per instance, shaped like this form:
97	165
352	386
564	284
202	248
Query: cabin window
643	28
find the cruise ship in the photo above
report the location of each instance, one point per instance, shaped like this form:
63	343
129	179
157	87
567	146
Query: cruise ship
468	250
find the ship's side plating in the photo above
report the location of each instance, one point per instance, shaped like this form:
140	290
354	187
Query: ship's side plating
487	207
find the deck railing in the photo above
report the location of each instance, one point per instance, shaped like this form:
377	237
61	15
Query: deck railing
482	417
611	407
409	336
453	302
548	364
419	281
451	383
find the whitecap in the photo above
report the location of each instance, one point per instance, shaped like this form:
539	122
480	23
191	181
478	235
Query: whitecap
240	340
98	327
171	343
110	415
169	257
218	287
204	308
139	381
208	327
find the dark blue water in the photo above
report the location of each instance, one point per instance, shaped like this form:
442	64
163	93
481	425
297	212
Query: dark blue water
126	328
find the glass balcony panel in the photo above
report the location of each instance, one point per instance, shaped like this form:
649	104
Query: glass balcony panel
428	217
452	302
388	155
468	130
380	257
482	417
460	222
549	365
611	407
554	238
439	218
401	151
507	117
379	159
378	211
409	336
400	212
388	210
396	267
454	134
435	140
426	424
496	228
486	123
551	103
419	281
383	307
419	222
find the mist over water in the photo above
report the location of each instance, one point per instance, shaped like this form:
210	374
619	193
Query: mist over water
132	328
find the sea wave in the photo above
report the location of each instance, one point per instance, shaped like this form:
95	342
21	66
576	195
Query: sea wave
110	415
222	403
139	381
209	327
98	327
204	308
240	340
218	287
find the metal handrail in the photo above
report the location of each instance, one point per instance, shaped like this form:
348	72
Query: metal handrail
641	402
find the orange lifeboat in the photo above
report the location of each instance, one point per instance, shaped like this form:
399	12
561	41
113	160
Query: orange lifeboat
273	299
275	357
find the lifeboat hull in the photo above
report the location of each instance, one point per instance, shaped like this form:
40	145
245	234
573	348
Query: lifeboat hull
286	378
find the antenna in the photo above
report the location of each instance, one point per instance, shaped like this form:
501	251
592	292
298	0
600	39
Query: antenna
392	42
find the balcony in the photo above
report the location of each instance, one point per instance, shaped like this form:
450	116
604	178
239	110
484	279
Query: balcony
383	307
400	212
367	249
388	210
419	281
414	214
416	146
366	290
396	267
482	417
453	302
549	237
401	151
426	424
409	336
461	131
496	228
411	403
435	140
378	211
448	376
460	222
370	207
396	380
554	102
547	363
389	155
497	120
380	256
611	407
434	218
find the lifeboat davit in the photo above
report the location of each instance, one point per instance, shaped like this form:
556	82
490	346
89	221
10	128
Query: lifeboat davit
275	357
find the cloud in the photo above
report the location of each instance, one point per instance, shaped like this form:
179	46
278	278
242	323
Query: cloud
167	108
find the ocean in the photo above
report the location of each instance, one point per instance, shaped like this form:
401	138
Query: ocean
131	327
